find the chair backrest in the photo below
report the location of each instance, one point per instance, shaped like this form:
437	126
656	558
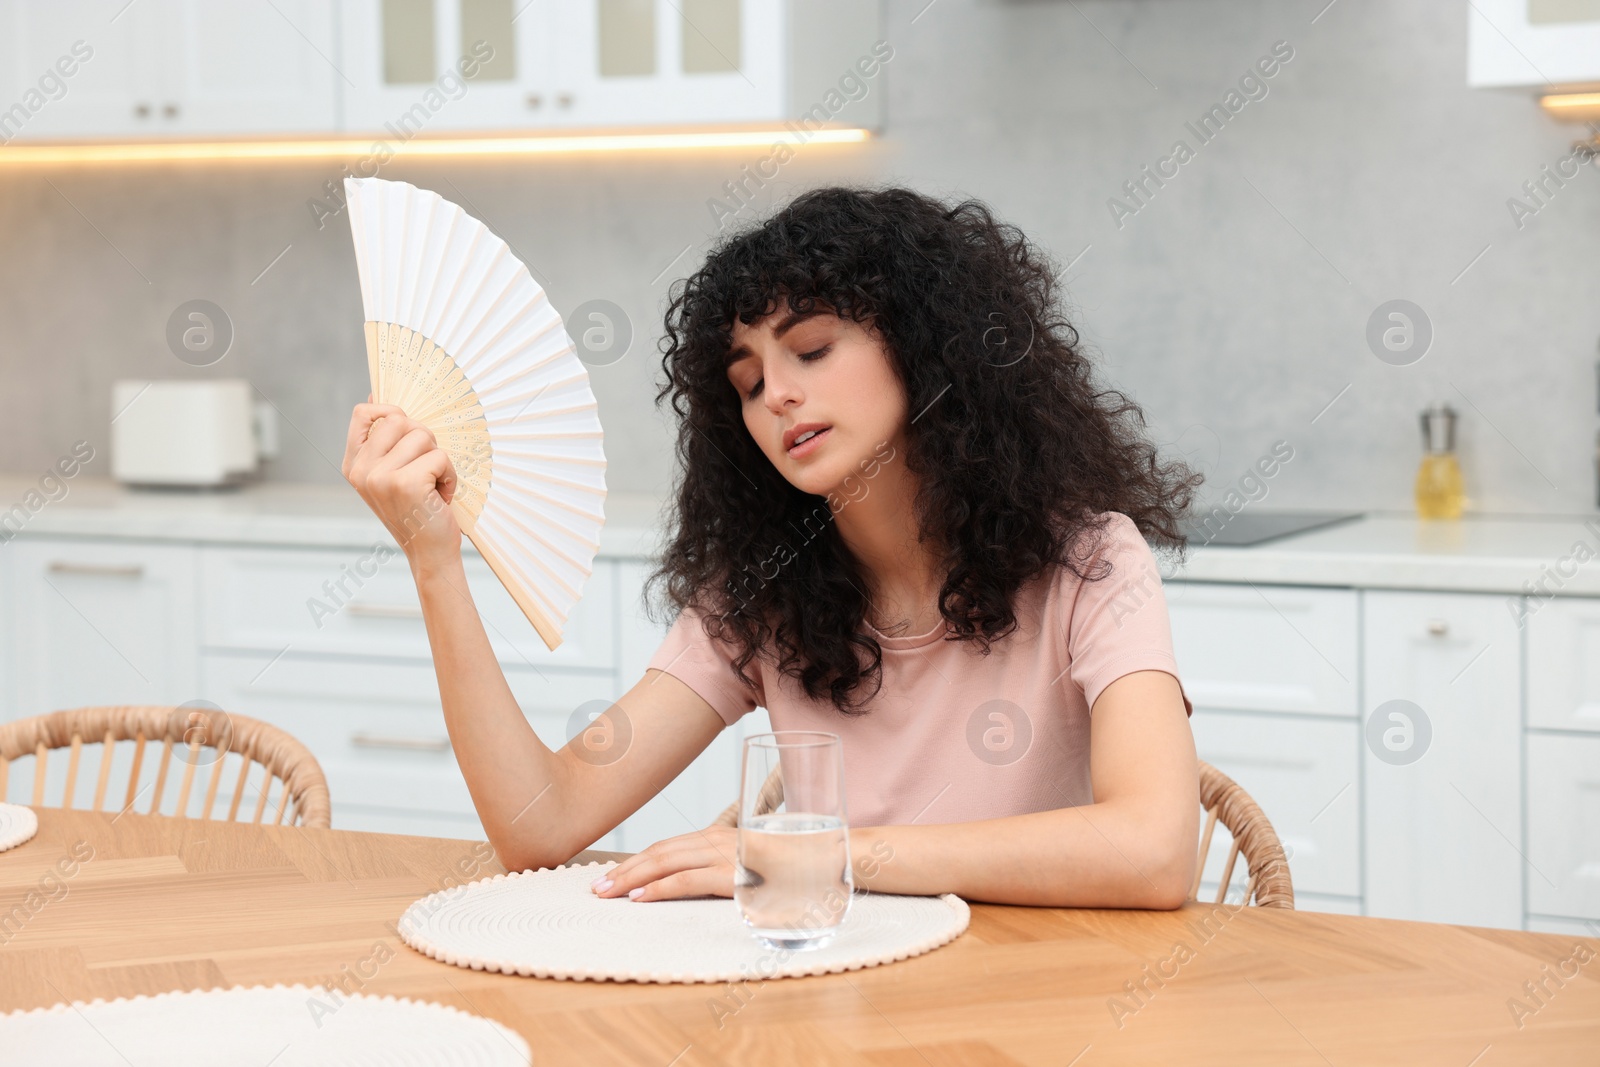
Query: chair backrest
219	753
1223	801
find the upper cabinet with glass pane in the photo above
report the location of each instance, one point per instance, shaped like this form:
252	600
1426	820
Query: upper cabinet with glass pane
1533	43
648	62
397	69
597	63
432	66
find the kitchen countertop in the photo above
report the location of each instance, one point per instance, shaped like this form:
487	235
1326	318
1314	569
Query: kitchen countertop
268	513
1486	554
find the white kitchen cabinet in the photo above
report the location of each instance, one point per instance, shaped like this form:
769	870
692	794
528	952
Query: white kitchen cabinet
363	602
113	76
174	68
670	61
1532	42
248	67
1265	648
1443	832
102	622
378	729
394	69
1564	664
551	63
1304	773
405	61
1563	876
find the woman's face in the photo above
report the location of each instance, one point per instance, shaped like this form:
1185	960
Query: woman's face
797	373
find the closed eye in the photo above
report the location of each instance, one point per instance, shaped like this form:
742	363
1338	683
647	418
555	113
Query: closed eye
805	357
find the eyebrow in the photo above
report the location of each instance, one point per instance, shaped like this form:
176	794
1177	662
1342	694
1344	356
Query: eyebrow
789	322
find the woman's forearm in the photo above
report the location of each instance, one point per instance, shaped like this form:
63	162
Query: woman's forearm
513	777
1098	855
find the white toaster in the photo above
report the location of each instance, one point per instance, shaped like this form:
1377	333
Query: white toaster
188	433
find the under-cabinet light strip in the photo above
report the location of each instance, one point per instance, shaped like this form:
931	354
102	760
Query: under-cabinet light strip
1559	102
169	151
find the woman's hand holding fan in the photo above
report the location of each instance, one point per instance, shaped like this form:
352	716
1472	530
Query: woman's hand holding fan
398	468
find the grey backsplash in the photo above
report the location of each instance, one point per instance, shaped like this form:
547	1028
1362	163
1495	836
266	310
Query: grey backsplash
1233	305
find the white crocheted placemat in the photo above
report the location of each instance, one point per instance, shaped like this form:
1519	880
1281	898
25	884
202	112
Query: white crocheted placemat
17	824
286	1026
548	924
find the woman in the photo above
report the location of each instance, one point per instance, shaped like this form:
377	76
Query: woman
907	516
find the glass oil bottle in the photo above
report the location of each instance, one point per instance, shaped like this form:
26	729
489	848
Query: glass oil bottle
1439	490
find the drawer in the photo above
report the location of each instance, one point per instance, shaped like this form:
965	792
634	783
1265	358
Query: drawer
100	621
1265	648
1303	772
378	729
348	603
1564	825
1564	664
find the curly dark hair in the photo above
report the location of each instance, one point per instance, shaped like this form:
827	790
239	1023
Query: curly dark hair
1016	453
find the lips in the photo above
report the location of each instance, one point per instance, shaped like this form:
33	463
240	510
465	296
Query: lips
807	430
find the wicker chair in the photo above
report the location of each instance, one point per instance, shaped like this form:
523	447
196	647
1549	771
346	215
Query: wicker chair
1222	799
203	738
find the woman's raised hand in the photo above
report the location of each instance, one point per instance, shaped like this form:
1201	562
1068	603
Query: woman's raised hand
397	466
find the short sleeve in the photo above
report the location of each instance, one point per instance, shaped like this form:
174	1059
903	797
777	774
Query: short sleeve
705	665
1119	622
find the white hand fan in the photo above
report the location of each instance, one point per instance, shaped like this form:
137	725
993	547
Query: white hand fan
461	338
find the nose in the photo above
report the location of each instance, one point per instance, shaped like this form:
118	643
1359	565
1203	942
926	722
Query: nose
780	388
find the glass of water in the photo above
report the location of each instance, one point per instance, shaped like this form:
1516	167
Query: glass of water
792	884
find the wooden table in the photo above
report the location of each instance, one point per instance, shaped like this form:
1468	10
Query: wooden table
165	904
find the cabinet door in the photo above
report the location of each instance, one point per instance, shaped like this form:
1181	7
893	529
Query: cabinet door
648	62
112	50
1443	813
1304	773
1531	42
378	730
1564	664
404	61
1564	825
243	66
102	622
1265	648
363	602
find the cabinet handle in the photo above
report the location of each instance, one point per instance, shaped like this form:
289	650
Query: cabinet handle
534	101
408	744
1438	627
564	99
171	111
97	570
385	611
141	111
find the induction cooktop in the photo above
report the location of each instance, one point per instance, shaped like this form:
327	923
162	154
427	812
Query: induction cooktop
1258	527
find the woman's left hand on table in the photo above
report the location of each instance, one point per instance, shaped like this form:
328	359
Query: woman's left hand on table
690	865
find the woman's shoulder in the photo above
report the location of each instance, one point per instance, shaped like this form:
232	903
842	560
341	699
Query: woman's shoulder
1106	558
1101	544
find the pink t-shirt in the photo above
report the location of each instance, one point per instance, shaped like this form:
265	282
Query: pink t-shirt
954	735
